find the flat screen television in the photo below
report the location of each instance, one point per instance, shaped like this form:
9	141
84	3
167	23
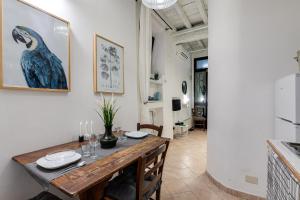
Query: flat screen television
176	104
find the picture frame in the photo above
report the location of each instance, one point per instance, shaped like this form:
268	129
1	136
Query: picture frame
108	66
33	57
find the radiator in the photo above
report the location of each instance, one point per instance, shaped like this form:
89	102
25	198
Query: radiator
282	185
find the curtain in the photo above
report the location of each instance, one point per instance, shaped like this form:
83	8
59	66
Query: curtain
144	60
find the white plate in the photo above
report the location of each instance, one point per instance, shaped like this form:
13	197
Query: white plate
136	134
58	160
58	156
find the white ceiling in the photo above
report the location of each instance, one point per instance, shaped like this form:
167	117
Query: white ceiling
185	18
190	10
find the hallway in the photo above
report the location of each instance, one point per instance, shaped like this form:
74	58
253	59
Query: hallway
184	173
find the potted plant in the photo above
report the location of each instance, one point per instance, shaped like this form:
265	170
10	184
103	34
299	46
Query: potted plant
107	111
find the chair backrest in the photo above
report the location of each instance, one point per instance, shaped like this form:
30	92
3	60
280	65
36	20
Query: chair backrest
159	129
150	169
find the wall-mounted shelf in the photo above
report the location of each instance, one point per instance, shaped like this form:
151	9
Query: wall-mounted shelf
155	104
156	82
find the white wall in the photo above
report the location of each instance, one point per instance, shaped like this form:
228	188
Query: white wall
34	120
175	71
251	44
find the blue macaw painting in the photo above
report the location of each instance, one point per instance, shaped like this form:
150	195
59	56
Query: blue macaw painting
41	68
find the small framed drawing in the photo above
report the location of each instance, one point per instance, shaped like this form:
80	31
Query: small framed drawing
108	66
35	48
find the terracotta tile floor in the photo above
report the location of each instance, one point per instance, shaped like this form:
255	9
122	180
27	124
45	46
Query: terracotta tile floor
184	173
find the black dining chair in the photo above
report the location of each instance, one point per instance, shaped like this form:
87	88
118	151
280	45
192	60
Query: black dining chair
146	182
45	196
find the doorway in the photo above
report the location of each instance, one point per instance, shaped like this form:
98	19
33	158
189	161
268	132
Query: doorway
200	92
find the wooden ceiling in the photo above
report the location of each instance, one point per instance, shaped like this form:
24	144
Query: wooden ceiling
188	22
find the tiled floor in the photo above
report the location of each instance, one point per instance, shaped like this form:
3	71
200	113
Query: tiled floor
184	172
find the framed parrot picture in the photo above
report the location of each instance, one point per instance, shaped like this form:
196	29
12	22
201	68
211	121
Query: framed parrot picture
35	49
108	66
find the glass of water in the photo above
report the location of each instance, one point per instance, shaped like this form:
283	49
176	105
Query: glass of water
121	136
93	154
85	149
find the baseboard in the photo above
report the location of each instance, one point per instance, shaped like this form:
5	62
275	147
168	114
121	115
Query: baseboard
232	191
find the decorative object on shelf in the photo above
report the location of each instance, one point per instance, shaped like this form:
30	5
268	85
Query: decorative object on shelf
107	112
156	76
156	97
108	66
297	58
157	5
152	77
184	87
35	56
151	98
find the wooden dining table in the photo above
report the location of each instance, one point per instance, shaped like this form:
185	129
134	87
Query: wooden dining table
88	182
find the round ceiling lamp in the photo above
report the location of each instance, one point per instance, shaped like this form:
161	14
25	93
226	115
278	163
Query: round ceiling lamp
159	4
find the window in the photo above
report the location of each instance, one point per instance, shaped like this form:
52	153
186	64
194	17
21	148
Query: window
202	63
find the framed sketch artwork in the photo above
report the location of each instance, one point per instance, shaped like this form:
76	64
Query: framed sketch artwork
108	66
35	48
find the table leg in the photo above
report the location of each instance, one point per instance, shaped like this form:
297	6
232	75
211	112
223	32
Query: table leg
95	193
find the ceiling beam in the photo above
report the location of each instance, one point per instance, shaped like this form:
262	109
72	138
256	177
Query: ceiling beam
195	28
190	35
190	46
201	43
199	50
163	18
201	8
183	16
185	47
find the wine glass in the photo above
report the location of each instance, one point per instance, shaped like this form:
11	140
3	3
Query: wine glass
93	141
81	132
85	131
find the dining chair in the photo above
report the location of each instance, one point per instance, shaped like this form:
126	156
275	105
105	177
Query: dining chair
131	169
45	196
148	179
158	129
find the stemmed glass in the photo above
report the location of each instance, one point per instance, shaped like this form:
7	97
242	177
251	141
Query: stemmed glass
85	147
93	141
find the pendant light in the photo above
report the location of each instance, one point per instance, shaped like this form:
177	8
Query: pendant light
159	4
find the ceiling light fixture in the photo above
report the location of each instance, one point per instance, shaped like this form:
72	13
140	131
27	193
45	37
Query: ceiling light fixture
159	4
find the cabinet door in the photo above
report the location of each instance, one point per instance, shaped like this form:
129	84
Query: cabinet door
285	95
286	131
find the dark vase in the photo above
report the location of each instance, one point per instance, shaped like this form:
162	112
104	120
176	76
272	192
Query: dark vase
108	140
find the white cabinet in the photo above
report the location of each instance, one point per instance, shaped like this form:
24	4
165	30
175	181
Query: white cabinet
181	130
287	131
287	95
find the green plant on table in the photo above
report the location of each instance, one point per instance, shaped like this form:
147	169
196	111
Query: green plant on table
107	110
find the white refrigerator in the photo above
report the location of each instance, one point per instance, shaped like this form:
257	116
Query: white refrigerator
287	108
